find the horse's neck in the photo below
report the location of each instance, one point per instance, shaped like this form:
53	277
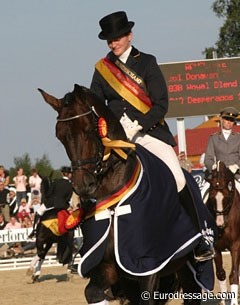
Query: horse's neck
118	177
236	198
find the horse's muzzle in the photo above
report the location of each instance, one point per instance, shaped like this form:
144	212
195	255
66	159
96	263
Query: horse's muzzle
84	184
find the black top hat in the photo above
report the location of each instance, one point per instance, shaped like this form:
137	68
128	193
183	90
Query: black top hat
114	25
66	169
229	112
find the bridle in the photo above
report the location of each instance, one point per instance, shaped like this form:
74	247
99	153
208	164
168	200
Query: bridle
220	188
75	116
97	159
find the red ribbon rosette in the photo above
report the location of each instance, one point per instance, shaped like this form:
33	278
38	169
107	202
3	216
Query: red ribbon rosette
102	127
74	218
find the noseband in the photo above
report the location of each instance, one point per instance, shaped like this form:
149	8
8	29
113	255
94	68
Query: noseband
97	160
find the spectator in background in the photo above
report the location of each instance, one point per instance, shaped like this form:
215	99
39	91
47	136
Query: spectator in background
35	180
23	210
4	207
26	222
13	224
25	245
225	145
20	181
35	204
3	222
12	201
35	184
12	246
4	176
185	162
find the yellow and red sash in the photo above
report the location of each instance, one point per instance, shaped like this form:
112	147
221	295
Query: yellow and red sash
124	85
116	197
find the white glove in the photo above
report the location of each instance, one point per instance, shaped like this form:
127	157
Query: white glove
130	127
233	168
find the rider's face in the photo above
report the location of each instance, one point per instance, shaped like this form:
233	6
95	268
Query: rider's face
119	45
227	124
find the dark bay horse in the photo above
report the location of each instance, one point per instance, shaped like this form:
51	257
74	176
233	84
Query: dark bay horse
47	234
105	167
224	204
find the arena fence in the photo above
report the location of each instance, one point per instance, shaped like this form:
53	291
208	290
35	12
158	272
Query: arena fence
23	262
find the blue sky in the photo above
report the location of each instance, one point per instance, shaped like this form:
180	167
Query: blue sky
53	44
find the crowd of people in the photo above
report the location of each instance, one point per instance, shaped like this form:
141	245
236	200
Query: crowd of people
21	204
18	205
21	199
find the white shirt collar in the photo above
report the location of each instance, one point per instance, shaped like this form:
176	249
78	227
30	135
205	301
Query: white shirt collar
125	55
226	133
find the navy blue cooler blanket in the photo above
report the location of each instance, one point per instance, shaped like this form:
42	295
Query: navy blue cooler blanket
150	225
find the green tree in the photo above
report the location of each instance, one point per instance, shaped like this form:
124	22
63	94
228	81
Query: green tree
44	166
24	162
228	43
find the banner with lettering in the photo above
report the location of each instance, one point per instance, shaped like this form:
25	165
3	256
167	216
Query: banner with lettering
18	235
202	87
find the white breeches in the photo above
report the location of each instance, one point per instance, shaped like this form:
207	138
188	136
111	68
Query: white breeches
166	153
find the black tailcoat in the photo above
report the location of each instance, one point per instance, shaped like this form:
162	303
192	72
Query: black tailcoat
145	66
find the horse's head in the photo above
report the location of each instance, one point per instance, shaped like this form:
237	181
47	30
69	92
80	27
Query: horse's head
82	123
221	192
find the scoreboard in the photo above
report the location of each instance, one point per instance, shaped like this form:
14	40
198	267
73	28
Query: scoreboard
202	87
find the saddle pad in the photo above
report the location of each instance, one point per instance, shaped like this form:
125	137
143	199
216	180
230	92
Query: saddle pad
52	224
150	225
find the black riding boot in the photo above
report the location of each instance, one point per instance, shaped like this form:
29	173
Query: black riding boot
204	250
35	222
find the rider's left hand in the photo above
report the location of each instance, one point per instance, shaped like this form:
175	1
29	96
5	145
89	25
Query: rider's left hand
233	168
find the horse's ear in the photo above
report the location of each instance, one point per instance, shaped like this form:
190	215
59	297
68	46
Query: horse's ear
77	87
80	91
51	100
